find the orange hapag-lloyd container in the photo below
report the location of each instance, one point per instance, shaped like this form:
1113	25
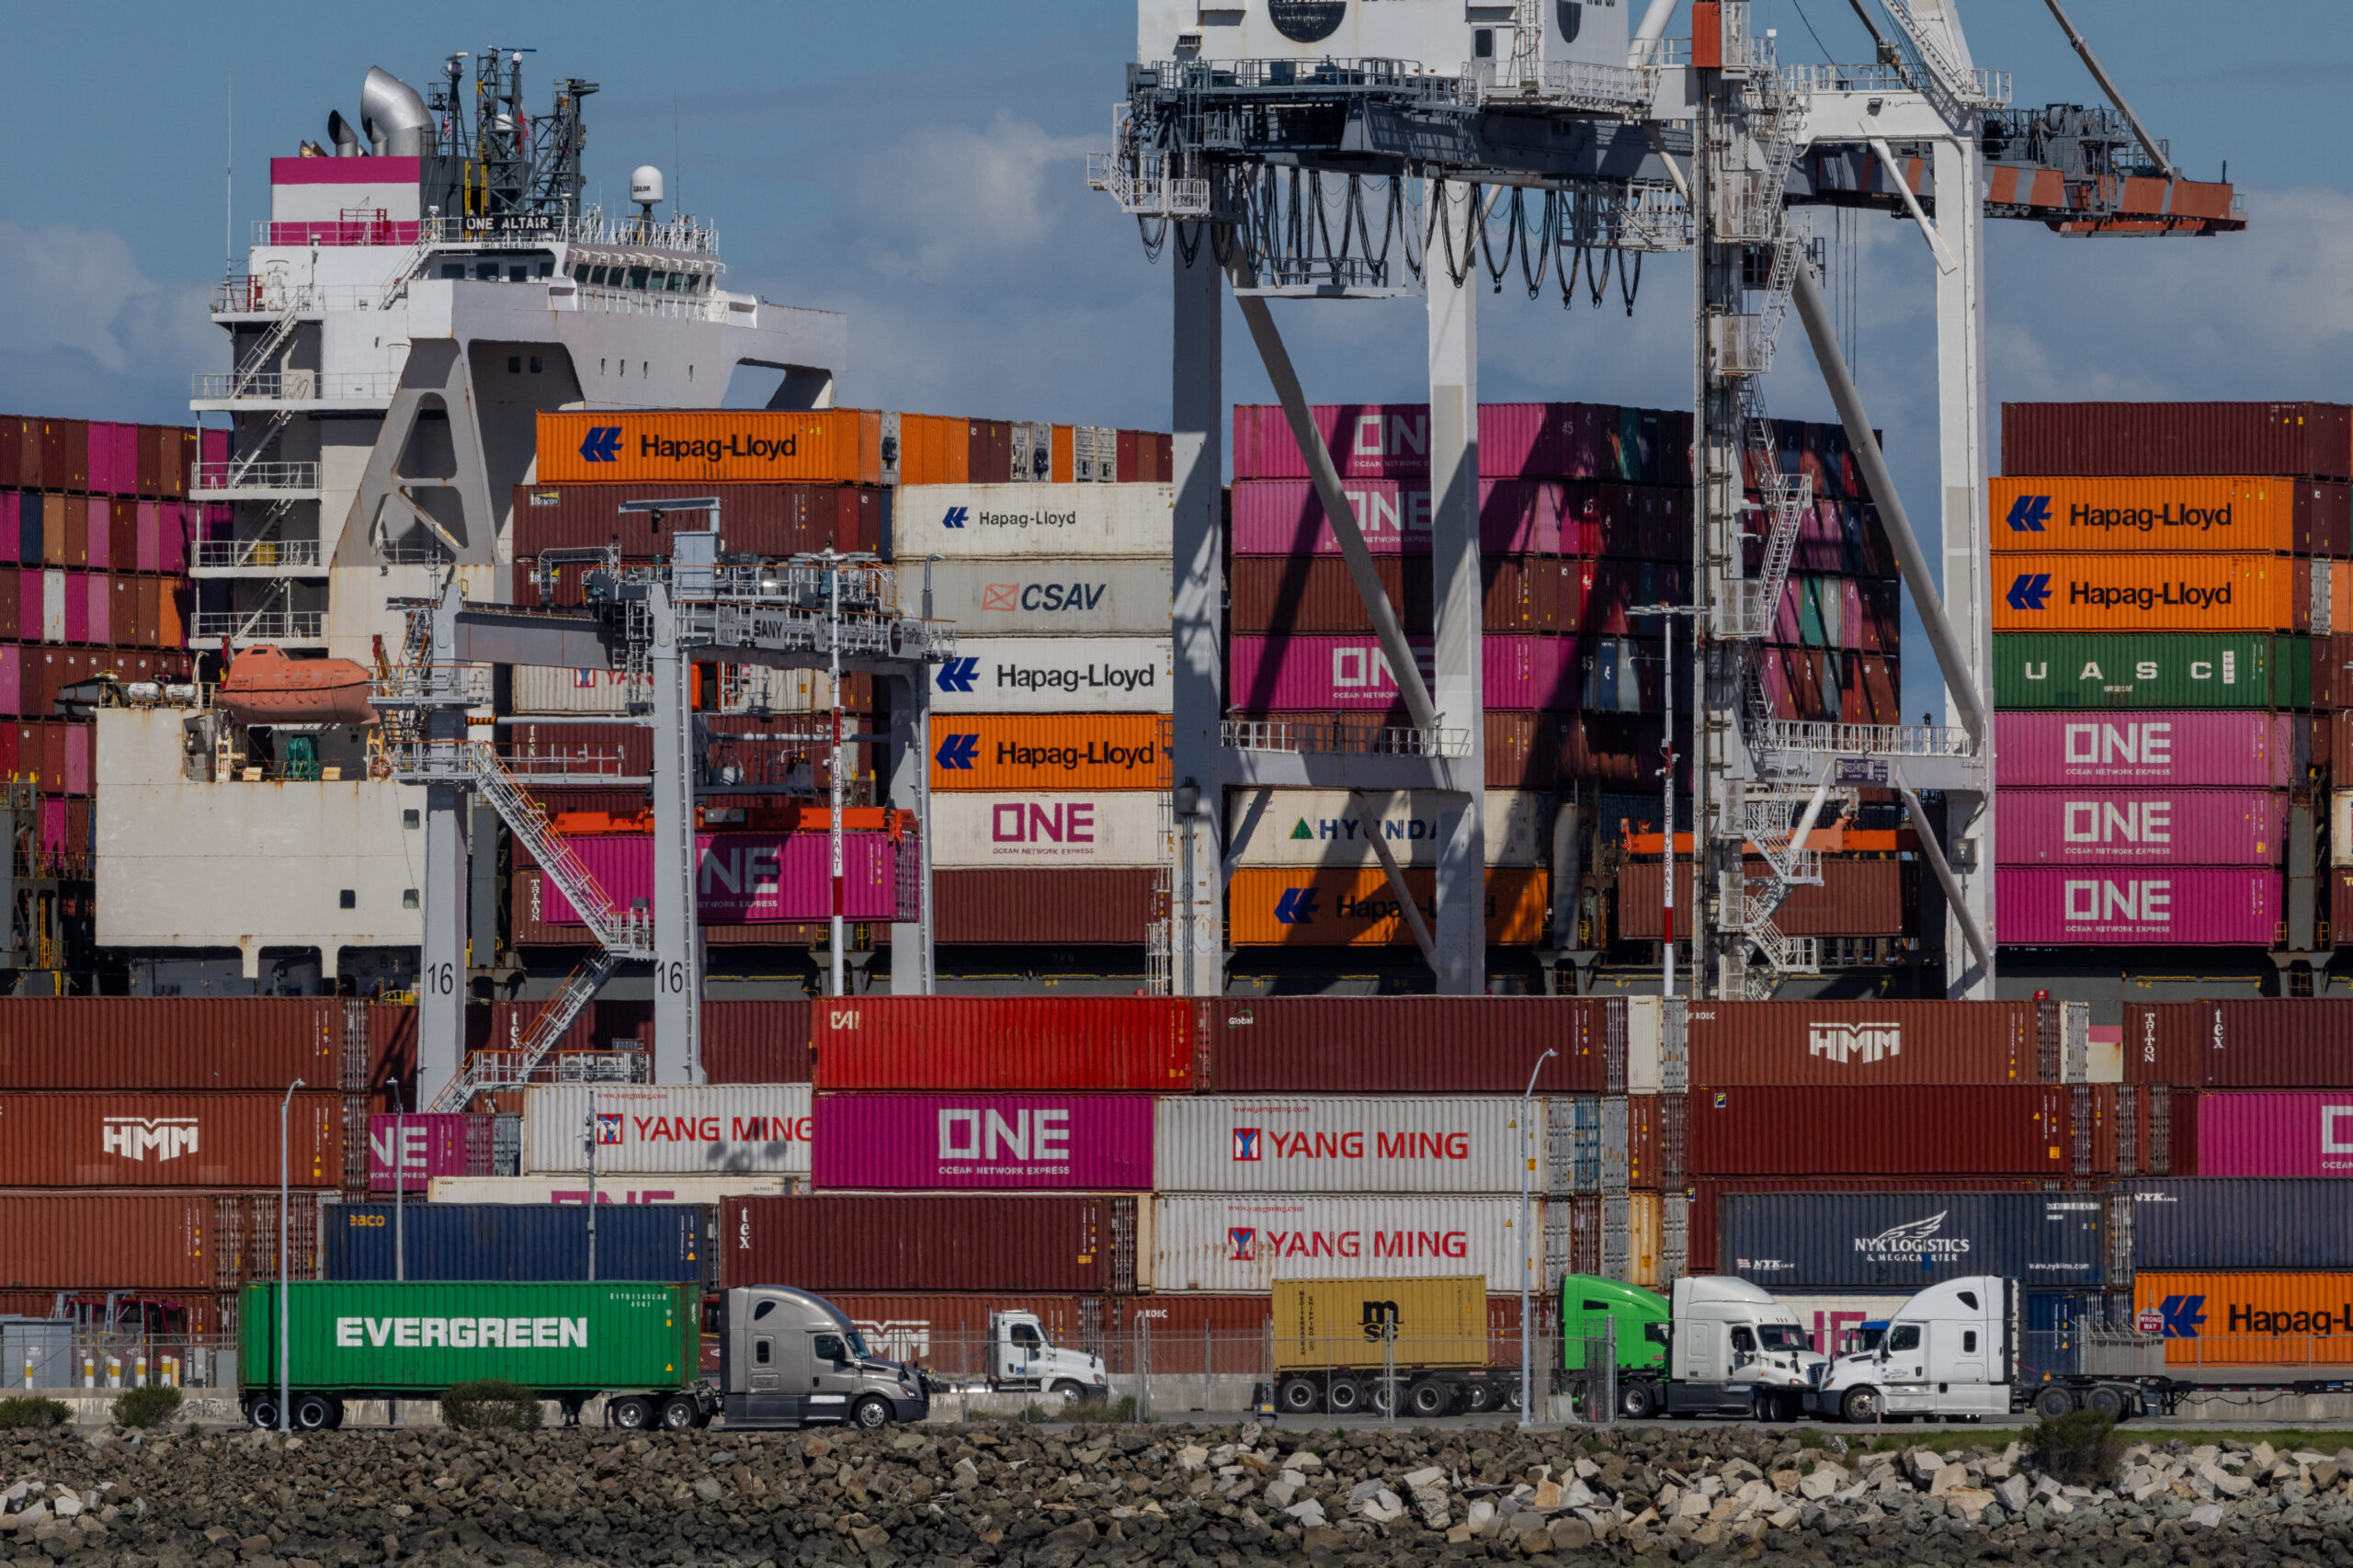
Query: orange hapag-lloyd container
2153	591
2250	515
1357	909
2226	1320
1051	751
934	448
821	445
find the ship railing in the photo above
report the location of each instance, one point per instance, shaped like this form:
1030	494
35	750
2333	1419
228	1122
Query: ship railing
259	625
294	386
232	475
590	227
639	303
232	553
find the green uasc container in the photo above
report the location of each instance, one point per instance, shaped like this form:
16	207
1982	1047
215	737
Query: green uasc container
2155	669
422	1336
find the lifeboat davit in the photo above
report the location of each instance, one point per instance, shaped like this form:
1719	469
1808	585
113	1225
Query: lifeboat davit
264	687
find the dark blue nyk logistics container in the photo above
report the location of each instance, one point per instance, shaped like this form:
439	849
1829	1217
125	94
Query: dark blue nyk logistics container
1882	1241
663	1242
2235	1223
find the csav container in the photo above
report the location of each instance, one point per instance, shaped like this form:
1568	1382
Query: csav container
65	1140
1412	1045
2275	1323
1899	1131
826	446
2209	1222
2272	516
2305	438
1072	751
1056	522
1076	598
2277	1133
669	1242
1882	1240
2273	1043
689	1130
957	1241
957	1142
1006	1043
2152	592
2112	827
1359	909
2152	670
2155	751
1828	1042
1264	1143
2138	905
1054	674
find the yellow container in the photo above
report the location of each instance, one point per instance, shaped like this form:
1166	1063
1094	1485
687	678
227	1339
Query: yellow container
1439	1320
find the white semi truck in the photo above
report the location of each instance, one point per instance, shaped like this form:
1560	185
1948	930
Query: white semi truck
1022	1358
1732	1348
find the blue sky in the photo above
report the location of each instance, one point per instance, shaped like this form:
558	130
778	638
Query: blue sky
921	167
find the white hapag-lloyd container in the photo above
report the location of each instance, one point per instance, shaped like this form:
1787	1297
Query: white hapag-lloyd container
1054	675
1320	827
1103	827
543	689
1243	1244
1083	597
618	1188
1267	1144
968	522
711	1129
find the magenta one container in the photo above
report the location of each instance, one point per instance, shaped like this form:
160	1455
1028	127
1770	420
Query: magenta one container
951	1142
2274	1134
1350	672
405	1153
2150	751
2135	905
2179	827
1283	516
1391	440
748	877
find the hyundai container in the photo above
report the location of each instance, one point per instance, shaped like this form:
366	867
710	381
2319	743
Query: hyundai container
888	1242
1411	1045
1323	827
2271	1043
1033	751
1360	909
1883	1240
1332	1143
1140	1045
2251	514
972	1141
1033	522
2093	827
673	1129
823	445
2138	906
1226	1243
2151	751
668	1242
1101	596
2311	439
2150	670
1898	1131
1054	675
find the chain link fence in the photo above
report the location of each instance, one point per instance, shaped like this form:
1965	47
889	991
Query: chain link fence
41	1355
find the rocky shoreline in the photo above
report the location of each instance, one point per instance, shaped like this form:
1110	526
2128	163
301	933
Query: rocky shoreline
1008	1494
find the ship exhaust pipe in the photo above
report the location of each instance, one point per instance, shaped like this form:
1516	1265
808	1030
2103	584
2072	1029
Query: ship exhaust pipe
341	136
394	114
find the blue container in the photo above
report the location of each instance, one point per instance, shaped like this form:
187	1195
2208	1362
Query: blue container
1908	1241
659	1242
2235	1223
2055	1322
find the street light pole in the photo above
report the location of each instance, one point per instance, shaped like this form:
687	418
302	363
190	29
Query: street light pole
592	1183
1527	1169
285	1316
400	1208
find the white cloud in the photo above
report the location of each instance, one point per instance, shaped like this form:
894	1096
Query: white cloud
949	201
82	291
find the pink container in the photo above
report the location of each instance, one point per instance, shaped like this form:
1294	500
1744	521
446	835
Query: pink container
1282	516
2112	827
212	446
101	545
78	757
77	605
176	535
12	680
2151	751
2274	1134
150	536
1325	673
945	1142
52	827
749	877
99	588
1391	440
2136	905
114	458
429	1144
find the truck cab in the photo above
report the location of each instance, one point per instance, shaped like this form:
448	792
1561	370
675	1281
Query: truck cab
1021	1357
1631	1322
790	1358
1734	1350
1951	1350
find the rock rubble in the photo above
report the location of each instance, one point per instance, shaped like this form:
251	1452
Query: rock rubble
952	1496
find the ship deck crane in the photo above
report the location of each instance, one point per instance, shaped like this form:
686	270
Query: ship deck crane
1283	168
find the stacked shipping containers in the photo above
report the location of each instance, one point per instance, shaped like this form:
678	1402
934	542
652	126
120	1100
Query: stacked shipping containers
2164	610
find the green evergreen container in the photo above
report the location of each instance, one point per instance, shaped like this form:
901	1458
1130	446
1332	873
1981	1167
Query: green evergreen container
2157	669
385	1338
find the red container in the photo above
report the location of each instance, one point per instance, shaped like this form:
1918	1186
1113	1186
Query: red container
1061	907
165	1140
756	1043
1006	1043
1902	1130
170	1042
1874	1042
1855	898
838	1242
2273	1043
83	1241
2303	440
2275	1134
754	519
2151	751
64	454
1284	516
2158	827
1408	1045
2138	906
1079	1143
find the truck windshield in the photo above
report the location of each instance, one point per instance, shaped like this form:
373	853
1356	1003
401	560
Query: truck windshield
858	1346
1784	1336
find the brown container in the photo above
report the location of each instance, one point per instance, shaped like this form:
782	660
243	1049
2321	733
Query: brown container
150	439
1855	898
54	527
756	1043
1655	1127
989	453
2304	440
122	535
1408	1045
2273	1043
166	1140
9	579
170	1043
842	1242
754	519
1523	750
12	443
149	1243
626	750
179	456
1703	1257
66	454
145	623
1874	1042
1062	907
2061	1130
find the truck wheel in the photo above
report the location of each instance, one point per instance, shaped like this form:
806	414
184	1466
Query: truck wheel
678	1413
334	1415
2054	1400
2105	1398
1429	1398
630	1414
1478	1396
870	1415
1859	1406
1381	1395
311	1412
1637	1401
1298	1396
1072	1392
263	1413
1344	1396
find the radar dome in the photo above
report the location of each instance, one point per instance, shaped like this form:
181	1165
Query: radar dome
645	184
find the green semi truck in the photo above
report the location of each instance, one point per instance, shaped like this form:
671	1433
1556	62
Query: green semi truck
788	1358
1717	1347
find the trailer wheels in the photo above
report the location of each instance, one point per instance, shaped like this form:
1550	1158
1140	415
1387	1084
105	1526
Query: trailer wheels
1478	1396
1637	1401
2108	1399
679	1413
1296	1395
1429	1398
1859	1406
312	1412
263	1412
1344	1397
870	1415
630	1414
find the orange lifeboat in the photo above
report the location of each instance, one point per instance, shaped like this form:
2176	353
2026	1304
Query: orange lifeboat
264	687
